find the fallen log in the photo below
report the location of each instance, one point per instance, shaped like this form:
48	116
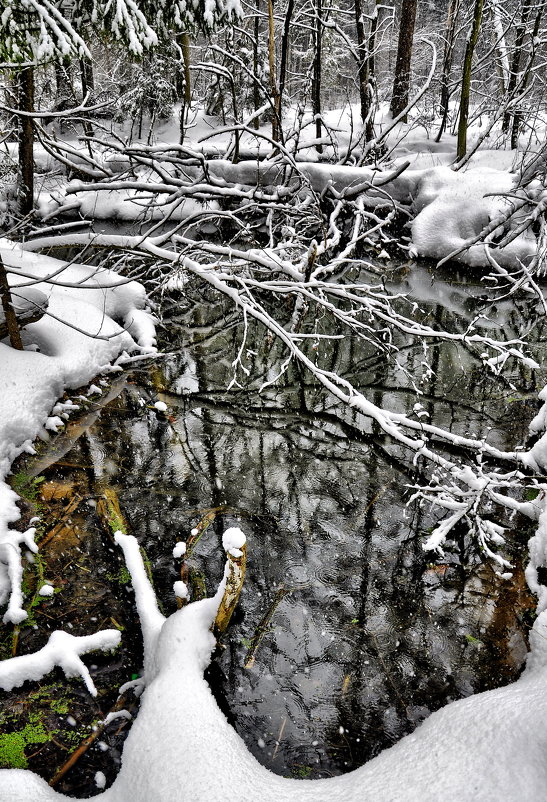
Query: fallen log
28	304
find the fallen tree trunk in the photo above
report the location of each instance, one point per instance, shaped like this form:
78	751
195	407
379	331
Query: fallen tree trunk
19	308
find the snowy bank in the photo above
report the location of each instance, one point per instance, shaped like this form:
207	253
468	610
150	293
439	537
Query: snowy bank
93	316
463	214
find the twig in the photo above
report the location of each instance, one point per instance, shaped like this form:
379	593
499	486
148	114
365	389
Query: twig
59	526
261	629
84	746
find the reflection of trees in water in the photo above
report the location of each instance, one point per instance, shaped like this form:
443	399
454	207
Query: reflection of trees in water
369	638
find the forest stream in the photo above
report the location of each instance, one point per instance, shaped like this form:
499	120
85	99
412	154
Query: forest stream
348	634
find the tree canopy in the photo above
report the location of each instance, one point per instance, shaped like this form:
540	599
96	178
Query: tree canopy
36	31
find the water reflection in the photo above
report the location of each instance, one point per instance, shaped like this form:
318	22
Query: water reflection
351	633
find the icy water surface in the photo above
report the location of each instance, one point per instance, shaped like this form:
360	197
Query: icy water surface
348	634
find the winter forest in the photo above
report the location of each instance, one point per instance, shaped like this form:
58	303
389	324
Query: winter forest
273	400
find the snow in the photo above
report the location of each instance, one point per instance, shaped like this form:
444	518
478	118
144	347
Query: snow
450	207
46	590
161	406
100	779
125	714
181	590
63	650
117	205
77	339
179	550
454	207
233	539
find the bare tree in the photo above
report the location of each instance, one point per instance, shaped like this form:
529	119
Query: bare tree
401	81
450	40
466	79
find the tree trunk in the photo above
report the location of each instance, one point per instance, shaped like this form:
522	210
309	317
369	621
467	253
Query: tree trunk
371	72
9	314
276	130
64	85
184	83
256	88
362	60
284	59
316	77
451	19
87	77
401	83
365	54
26	141
466	79
88	87
515	61
517	117
185	42
500	45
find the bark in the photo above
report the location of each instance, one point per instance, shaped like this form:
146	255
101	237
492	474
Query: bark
234	585
284	59
500	44
517	117
451	19
187	83
401	83
466	79
26	141
362	56
256	88
276	128
64	86
515	61
88	87
316	76
184	84
9	314
365	54
87	77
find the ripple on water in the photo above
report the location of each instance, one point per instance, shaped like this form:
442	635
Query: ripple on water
297	574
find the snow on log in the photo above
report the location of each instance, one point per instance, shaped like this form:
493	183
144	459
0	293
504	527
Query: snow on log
29	305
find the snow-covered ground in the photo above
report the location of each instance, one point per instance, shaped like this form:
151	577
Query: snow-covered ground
93	317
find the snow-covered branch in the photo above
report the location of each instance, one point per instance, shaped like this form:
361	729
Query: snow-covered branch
63	651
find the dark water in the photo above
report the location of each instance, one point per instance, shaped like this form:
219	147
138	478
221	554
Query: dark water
348	633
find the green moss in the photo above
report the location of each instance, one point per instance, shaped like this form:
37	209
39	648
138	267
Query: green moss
122	576
73	738
301	772
5	646
26	486
50	696
12	751
59	706
13	744
115	521
30	586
